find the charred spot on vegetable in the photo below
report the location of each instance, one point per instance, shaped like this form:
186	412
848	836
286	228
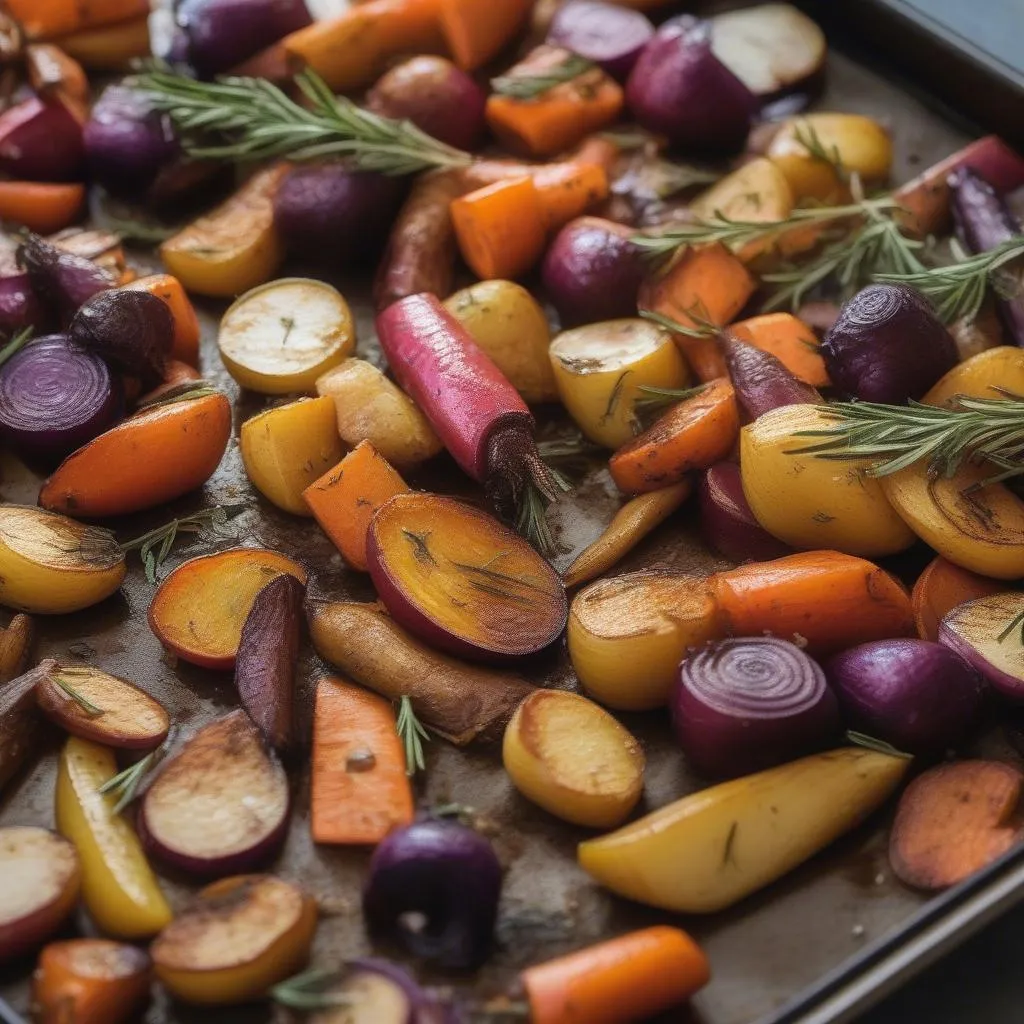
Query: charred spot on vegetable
420	549
288	323
822	517
728	856
361	760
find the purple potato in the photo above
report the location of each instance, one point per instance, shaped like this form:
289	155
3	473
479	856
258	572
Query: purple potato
611	36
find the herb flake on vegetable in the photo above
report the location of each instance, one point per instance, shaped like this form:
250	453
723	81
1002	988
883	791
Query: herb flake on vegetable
125	784
69	691
310	991
413	734
529	87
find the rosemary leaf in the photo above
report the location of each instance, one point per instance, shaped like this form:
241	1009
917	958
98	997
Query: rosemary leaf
187	391
412	734
310	991
860	739
660	399
1017	620
703	327
248	119
69	691
807	135
529	87
126	783
16	344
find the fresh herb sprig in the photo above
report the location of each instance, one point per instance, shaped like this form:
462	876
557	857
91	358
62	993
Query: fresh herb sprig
125	784
413	735
657	400
529	87
16	344
807	135
68	689
246	119
975	430
155	546
186	391
311	991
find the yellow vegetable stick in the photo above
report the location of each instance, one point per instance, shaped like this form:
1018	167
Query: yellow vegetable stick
708	850
637	518
118	886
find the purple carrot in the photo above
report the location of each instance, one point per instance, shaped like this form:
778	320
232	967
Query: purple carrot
761	381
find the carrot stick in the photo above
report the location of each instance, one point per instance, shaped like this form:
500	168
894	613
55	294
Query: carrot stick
345	498
558	118
186	323
44	18
706	284
351	50
943	586
109	47
694	434
501	229
360	790
829	599
40	206
632	977
790	340
629	526
477	30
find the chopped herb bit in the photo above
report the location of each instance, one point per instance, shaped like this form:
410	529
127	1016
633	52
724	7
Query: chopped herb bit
1017	621
529	87
72	694
126	784
311	991
413	734
16	344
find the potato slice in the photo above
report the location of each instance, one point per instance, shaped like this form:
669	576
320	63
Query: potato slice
980	376
600	369
572	758
124	716
41	878
51	564
199	610
241	937
226	778
278	338
286	449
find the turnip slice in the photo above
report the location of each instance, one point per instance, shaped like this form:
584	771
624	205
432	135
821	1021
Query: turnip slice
88	702
41	879
460	580
771	48
987	632
221	804
267	652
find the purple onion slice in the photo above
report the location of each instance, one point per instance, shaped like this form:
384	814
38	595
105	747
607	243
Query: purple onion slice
989	634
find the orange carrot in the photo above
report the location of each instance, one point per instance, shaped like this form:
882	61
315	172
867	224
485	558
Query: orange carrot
632	977
595	149
567	194
41	206
351	50
155	456
344	499
186	323
360	789
51	71
175	374
943	586
109	47
708	283
829	599
90	981
694	434
790	340
477	30
500	228
41	19
559	117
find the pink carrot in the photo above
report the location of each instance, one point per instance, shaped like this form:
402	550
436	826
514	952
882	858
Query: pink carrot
477	413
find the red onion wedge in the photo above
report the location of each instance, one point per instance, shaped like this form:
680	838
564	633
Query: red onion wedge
40	140
19	305
726	521
988	633
61	279
609	35
762	383
915	694
461	580
220	805
747	704
54	399
446	875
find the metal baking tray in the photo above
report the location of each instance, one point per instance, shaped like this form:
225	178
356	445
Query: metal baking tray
819	946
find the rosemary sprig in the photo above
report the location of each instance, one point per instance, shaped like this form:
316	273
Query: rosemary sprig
186	391
310	991
660	399
702	326
862	739
155	546
16	344
807	135
529	87
126	783
958	290
1017	620
975	430
71	693
242	119
413	734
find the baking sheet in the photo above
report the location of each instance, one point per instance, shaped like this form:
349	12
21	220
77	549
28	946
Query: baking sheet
763	952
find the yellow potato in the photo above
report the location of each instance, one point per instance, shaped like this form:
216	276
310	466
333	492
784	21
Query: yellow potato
234	247
860	144
600	368
979	376
278	338
710	849
118	886
51	564
371	408
982	531
572	758
628	634
813	503
285	449
239	938
507	322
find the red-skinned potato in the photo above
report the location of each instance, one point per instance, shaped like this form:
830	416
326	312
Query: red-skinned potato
462	581
200	609
40	140
436	96
238	939
41	878
225	778
265	666
88	702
